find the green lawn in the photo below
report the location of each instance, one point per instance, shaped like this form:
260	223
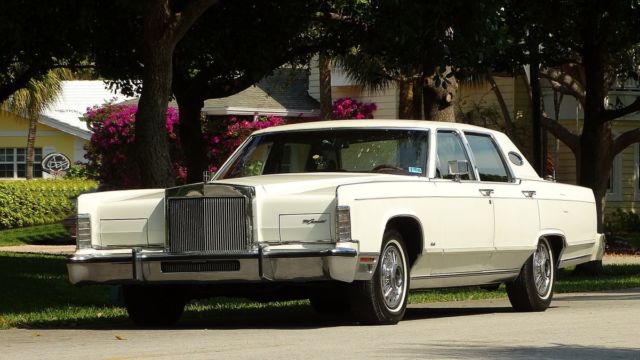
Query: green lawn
41	234
35	293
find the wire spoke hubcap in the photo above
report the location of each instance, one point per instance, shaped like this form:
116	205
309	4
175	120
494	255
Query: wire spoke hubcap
392	279
542	270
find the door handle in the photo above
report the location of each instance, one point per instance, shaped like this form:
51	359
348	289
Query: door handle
529	193
486	192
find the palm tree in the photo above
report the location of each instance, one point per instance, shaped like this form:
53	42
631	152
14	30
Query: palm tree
31	100
324	65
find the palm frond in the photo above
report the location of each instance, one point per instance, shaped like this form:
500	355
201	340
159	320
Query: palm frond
366	70
38	94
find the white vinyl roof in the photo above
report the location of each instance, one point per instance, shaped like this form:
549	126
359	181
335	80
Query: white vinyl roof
72	103
367	123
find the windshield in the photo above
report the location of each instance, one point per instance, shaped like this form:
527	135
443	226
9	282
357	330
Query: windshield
390	151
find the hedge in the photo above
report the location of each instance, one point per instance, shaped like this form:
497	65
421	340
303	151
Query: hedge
37	202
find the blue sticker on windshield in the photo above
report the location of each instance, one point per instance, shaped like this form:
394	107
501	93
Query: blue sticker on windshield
415	170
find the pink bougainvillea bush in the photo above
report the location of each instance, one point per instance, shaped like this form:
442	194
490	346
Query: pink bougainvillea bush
111	151
348	108
237	130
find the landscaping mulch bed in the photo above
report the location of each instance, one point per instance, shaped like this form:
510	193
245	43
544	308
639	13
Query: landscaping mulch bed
619	246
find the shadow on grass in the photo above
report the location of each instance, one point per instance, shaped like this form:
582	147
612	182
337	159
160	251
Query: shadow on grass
52	234
36	293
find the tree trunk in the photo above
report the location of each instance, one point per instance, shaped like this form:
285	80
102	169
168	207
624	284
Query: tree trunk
595	162
162	28
405	99
151	140
418	90
596	141
191	135
439	101
509	125
31	143
536	118
324	64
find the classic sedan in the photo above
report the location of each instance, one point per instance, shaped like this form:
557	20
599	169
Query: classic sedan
350	214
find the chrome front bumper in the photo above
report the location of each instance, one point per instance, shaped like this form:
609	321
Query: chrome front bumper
262	264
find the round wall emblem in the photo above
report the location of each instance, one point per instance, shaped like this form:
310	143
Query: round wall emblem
55	163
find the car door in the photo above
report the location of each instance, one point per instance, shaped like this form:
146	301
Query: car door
515	207
463	234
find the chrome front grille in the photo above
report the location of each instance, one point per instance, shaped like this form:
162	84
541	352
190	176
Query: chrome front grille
207	224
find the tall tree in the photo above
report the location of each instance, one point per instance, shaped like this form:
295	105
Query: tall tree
164	24
31	100
207	64
421	52
586	48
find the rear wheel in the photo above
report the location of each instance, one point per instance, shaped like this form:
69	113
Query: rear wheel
383	299
153	305
533	289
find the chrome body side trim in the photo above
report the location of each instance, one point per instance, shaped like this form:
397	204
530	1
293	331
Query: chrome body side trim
463	279
574	261
479	273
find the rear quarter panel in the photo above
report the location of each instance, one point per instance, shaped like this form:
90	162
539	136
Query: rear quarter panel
569	210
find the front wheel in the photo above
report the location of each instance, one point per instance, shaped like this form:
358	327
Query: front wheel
383	299
533	289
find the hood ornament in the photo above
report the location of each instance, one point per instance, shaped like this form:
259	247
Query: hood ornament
206	176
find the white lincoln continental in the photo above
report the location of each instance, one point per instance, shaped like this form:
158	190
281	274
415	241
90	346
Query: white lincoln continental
350	214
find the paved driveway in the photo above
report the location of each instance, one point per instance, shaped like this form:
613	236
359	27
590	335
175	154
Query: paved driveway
578	326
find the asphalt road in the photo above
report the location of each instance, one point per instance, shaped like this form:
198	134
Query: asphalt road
578	326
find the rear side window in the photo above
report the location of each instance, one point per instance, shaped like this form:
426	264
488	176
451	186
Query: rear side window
490	164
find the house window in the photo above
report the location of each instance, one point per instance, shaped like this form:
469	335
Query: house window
13	163
636	178
614	189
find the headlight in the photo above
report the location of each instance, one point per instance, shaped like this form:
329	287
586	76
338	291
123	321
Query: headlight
343	223
83	231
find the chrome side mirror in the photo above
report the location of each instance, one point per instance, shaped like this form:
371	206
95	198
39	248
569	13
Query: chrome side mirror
458	168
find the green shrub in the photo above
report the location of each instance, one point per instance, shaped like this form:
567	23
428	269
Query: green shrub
79	171
622	221
37	202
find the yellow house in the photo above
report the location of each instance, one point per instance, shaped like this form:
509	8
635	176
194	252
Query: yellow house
59	130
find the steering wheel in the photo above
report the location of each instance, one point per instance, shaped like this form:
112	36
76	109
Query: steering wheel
389	169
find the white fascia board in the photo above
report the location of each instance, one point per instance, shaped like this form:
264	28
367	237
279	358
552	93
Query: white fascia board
64	127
